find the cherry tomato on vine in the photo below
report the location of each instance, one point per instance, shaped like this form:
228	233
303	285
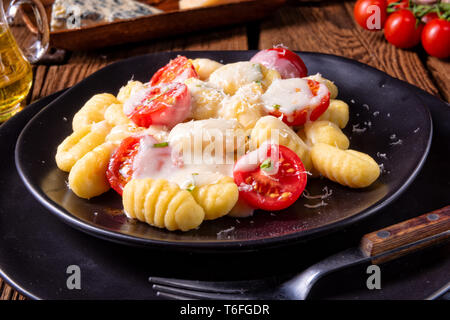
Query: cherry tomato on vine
436	38
401	4
401	29
286	62
429	16
274	182
368	16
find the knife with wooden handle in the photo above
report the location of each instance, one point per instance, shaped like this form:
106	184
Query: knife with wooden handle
407	236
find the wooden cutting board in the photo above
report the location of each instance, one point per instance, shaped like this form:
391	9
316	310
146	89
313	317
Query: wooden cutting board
171	22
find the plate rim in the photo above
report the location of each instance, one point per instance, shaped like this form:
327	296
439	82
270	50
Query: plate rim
208	246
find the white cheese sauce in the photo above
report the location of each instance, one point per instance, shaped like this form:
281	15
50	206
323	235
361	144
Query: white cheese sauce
290	95
164	163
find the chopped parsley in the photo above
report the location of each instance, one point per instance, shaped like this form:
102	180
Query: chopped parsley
266	165
161	145
276	106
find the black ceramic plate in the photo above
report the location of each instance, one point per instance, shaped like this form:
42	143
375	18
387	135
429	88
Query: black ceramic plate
397	133
36	247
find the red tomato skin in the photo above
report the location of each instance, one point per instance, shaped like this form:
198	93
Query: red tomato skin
300	117
404	4
436	38
162	112
124	153
401	31
259	201
361	13
429	16
177	70
286	62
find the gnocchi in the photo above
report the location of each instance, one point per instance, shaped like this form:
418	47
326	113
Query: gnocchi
162	204
205	67
205	99
326	132
114	115
232	76
230	112
80	142
347	167
217	199
245	106
87	178
93	110
337	112
269	128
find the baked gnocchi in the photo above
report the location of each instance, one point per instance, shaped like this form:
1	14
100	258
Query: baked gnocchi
202	140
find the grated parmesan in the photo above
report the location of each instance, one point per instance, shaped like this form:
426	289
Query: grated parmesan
318	205
327	194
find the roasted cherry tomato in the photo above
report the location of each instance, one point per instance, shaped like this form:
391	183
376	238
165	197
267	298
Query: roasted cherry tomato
368	16
177	70
436	38
402	30
165	104
286	62
292	114
270	178
120	168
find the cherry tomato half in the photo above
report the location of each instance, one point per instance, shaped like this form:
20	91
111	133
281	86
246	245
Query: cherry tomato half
436	38
315	109
370	14
274	182
402	30
166	104
120	168
286	62
177	70
142	157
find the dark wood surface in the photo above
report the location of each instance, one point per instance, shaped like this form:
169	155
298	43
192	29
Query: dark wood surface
326	27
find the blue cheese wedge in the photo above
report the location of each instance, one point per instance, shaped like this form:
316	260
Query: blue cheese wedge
73	14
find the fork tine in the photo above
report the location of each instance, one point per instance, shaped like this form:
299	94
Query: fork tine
172	296
206	286
185	293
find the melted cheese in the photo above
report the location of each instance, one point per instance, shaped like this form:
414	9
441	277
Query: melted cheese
290	95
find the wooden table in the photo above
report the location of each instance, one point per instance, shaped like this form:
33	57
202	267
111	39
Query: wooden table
326	27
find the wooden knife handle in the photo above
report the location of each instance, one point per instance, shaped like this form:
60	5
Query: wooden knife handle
407	236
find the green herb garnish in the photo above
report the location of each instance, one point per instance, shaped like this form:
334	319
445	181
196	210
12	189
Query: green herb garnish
266	165
161	145
190	188
276	106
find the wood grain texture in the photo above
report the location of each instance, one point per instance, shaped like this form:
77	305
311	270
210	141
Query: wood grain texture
330	28
168	23
49	79
440	71
407	236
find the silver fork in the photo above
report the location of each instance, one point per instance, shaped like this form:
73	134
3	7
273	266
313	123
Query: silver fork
376	247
